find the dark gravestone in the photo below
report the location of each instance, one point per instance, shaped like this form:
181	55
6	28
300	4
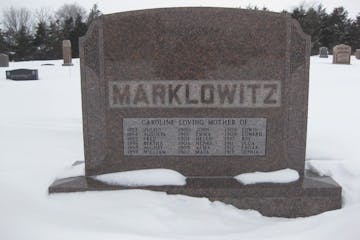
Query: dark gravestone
341	54
208	92
357	53
4	60
22	74
323	52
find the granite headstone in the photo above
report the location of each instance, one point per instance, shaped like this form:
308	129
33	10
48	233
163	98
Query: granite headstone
341	54
323	52
66	49
22	74
4	60
357	54
208	92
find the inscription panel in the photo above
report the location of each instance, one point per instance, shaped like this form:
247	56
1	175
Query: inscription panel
343	57
194	136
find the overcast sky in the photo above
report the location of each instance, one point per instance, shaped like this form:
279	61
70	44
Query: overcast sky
111	6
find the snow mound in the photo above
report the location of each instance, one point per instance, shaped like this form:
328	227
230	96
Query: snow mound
281	176
146	177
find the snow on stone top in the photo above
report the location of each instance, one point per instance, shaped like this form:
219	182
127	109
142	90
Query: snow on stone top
281	176
146	177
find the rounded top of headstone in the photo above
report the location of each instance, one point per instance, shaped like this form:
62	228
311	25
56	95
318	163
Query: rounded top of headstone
342	46
195	9
66	43
153	40
207	14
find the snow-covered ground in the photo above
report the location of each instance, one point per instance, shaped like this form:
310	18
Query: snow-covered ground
41	135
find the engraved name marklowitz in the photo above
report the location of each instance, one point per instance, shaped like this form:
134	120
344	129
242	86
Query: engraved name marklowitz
199	93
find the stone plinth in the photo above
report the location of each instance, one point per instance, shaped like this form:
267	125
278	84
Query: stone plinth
310	195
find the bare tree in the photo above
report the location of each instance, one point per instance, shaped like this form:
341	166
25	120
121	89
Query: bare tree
43	15
15	19
68	11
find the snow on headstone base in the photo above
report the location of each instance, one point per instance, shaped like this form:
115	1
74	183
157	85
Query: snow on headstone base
310	195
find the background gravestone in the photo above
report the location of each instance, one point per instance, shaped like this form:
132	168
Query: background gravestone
4	60
341	54
208	92
323	52
22	74
357	53
66	48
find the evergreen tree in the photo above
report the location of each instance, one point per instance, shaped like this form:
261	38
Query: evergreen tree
3	45
67	27
41	41
55	37
299	14
355	33
23	48
79	30
72	22
336	28
311	21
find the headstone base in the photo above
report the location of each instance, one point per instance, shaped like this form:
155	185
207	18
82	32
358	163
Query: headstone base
310	195
68	64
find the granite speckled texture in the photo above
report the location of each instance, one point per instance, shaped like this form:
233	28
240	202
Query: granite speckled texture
204	45
195	44
341	54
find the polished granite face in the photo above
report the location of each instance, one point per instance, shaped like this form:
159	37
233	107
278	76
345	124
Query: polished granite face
229	88
342	54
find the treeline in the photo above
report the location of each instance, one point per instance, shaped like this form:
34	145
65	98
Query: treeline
38	35
328	29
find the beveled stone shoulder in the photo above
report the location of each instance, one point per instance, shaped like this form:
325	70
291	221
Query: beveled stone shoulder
178	12
92	28
296	25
